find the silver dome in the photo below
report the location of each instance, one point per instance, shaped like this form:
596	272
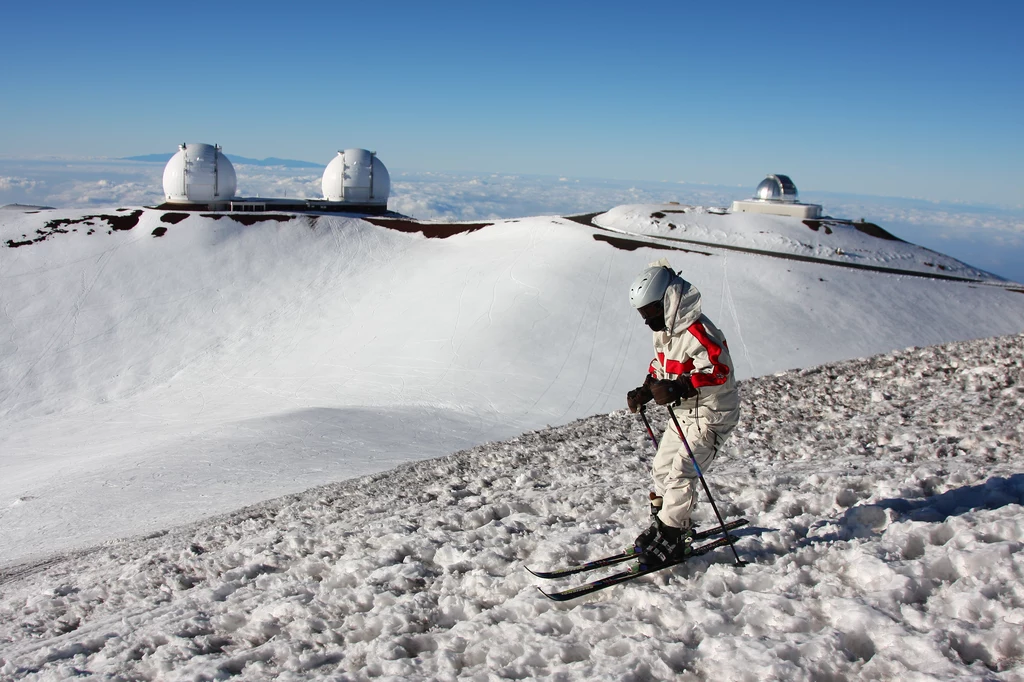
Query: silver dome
776	188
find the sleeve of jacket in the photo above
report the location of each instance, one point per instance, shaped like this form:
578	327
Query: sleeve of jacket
710	358
655	369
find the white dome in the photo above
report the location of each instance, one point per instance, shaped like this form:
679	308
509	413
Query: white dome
776	188
197	173
357	176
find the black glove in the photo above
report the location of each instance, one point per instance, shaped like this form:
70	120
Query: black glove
640	396
669	391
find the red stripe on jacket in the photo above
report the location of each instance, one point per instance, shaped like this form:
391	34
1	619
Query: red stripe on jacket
719	372
672	366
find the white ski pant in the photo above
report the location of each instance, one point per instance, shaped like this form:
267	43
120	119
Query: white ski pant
675	479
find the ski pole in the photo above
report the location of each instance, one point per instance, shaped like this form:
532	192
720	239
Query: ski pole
707	491
650	432
647	425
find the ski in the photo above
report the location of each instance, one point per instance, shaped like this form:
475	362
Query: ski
626	555
588	566
630	574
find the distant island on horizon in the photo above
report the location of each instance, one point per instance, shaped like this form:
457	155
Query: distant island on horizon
270	161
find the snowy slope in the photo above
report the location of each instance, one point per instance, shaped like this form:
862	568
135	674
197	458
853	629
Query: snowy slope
158	367
885	498
845	243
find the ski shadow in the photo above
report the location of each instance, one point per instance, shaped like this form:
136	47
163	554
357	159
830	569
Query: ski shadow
994	493
748	531
738	533
868	520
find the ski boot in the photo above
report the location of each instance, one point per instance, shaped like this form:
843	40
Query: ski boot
662	544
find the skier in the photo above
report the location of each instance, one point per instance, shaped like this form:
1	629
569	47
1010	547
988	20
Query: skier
692	370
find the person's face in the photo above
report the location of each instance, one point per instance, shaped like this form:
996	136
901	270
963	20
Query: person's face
654	315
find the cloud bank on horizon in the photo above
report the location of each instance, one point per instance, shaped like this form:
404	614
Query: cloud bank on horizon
987	237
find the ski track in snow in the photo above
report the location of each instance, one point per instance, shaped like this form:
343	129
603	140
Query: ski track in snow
884	494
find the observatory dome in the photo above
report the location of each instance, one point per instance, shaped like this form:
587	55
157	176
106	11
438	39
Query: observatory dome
357	176
776	188
199	173
776	195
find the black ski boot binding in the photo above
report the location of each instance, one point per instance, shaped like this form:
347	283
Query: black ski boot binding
662	544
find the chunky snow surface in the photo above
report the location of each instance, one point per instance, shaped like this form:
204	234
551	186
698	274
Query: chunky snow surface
885	498
157	367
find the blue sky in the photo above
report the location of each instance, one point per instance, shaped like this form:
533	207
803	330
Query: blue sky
908	99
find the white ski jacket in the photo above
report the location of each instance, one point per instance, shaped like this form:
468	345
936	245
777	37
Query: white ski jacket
692	345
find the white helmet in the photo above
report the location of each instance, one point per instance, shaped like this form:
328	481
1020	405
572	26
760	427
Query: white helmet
650	286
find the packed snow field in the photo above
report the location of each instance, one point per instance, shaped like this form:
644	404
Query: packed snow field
159	367
884	494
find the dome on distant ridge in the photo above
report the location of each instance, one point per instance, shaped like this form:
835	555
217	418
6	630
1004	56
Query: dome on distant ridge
776	188
199	173
776	195
356	176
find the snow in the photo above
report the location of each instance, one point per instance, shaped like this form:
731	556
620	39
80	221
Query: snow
819	239
166	379
152	380
885	544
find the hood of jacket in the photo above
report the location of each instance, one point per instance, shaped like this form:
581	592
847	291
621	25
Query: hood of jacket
682	305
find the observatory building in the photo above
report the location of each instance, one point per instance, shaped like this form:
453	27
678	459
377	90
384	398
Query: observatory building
357	176
199	174
777	195
201	178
